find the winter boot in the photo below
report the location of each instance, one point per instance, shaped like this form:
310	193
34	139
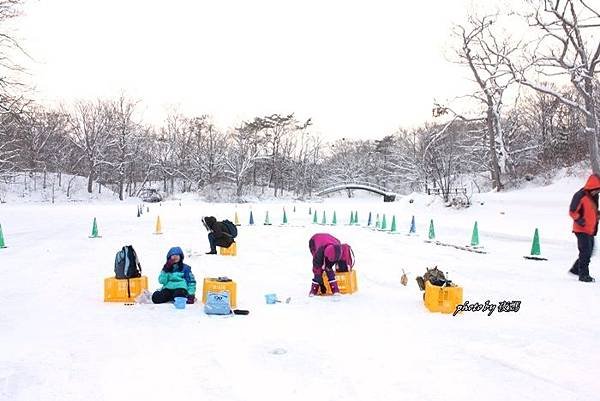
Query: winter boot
314	289
587	279
211	253
334	287
575	269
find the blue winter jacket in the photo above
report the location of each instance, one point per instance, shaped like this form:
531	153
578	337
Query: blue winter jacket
180	277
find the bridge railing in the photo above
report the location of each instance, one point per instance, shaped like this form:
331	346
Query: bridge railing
363	183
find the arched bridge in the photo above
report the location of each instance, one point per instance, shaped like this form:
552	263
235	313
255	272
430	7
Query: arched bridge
388	196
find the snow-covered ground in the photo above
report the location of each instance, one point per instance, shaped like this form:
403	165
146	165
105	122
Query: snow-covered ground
60	341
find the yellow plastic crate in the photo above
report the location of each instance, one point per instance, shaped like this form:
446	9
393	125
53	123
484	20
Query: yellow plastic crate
211	284
115	290
231	251
346	282
442	299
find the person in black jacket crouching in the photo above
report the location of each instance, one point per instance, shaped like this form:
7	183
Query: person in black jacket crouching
219	233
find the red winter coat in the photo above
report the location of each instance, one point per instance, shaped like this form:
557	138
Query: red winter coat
584	207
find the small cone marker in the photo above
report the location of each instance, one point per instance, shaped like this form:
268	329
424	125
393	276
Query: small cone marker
377	223
369	220
324	219
383	223
356	217
535	253
431	231
413	227
138	212
267	220
393	227
251	222
158	228
315	217
2	244
94	230
334	221
236	219
475	236
285	220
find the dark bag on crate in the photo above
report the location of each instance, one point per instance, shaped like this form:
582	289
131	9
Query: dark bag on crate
231	228
127	264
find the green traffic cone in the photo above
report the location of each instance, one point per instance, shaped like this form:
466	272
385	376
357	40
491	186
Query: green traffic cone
475	236
377	222
2	244
267	221
285	220
393	228
535	245
431	230
315	217
94	230
324	219
310	210
334	221
383	223
351	218
356	217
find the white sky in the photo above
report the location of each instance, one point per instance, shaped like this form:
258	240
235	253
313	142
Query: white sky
360	69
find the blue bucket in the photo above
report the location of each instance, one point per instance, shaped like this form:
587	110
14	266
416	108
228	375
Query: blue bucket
180	302
271	298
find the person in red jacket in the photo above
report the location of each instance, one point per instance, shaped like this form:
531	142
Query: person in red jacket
584	212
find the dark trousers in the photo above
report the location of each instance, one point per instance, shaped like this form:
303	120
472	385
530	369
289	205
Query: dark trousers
585	244
318	275
167	295
212	241
221	241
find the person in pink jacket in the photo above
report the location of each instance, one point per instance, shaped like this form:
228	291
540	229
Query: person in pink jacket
326	252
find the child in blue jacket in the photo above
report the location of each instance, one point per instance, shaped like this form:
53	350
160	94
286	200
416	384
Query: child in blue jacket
177	279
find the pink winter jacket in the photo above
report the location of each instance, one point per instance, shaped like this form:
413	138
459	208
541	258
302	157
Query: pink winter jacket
317	245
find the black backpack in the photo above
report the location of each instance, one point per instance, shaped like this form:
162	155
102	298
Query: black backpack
231	228
127	264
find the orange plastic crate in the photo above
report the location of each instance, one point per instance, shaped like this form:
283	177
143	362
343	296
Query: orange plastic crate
346	282
211	284
442	299
115	290
231	251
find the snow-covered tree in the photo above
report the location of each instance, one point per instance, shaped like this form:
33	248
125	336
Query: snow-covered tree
569	46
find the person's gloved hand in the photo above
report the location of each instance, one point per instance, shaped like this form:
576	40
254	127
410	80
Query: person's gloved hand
168	267
191	299
580	221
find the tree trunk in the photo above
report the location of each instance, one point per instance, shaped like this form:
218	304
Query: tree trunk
121	187
90	182
592	127
494	168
